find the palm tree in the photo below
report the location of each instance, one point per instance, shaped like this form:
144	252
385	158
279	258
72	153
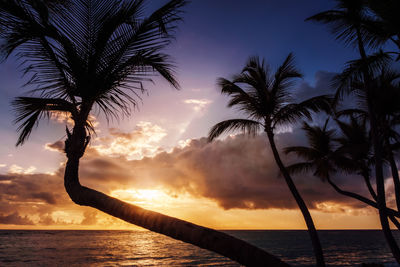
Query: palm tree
351	22
268	102
96	54
355	144
386	23
327	154
385	92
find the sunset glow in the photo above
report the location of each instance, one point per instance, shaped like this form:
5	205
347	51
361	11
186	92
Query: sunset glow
159	157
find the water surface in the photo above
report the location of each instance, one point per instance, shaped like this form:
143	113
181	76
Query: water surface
144	248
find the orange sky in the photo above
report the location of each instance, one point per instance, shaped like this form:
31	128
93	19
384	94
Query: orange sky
210	184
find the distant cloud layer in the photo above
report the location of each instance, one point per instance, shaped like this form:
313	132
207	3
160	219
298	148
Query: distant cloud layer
236	173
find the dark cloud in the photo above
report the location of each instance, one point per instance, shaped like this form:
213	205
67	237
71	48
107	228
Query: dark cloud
90	218
237	173
31	187
322	86
16	219
57	146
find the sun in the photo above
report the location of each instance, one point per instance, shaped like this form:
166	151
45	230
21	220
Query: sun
141	196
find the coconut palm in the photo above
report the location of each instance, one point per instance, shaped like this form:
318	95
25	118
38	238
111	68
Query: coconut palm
387	21
327	155
85	55
355	144
350	22
385	92
267	100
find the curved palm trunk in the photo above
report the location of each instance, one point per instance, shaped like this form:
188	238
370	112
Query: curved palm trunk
221	243
300	202
367	180
391	216
391	213
378	152
395	175
380	187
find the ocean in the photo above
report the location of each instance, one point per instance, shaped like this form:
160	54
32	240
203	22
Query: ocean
144	248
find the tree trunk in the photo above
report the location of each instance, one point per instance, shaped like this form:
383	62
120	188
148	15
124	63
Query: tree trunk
378	152
300	202
395	175
221	243
391	213
367	180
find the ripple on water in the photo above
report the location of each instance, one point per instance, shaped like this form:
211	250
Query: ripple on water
143	248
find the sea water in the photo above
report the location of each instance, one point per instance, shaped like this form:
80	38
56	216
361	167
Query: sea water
144	248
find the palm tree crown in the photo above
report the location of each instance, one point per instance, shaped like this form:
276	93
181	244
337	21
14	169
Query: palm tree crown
85	54
266	98
319	154
351	23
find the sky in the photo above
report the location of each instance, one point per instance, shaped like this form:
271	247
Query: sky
159	158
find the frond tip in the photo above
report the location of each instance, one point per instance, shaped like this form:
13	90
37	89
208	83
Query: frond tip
249	127
30	110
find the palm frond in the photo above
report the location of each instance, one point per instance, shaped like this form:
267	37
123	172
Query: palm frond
249	127
284	76
304	152
352	77
291	113
298	168
30	110
349	21
351	112
239	97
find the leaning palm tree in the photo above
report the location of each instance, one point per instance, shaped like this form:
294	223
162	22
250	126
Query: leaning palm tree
267	100
97	54
326	155
351	23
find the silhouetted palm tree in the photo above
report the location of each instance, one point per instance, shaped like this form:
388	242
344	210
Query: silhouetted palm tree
267	100
355	143
324	157
351	23
385	92
87	54
386	23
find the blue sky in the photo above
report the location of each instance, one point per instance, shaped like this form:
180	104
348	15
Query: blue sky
215	40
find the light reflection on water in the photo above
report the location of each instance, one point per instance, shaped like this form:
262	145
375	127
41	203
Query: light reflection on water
143	248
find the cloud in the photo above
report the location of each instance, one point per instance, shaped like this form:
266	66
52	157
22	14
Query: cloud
198	104
15	218
19	170
90	218
236	173
57	146
141	142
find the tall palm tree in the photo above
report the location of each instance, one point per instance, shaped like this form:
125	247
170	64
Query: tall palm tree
355	144
327	155
351	22
386	23
385	92
267	100
96	54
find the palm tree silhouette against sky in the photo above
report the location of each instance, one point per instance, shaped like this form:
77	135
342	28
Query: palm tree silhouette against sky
328	154
97	54
351	23
386	24
267	100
